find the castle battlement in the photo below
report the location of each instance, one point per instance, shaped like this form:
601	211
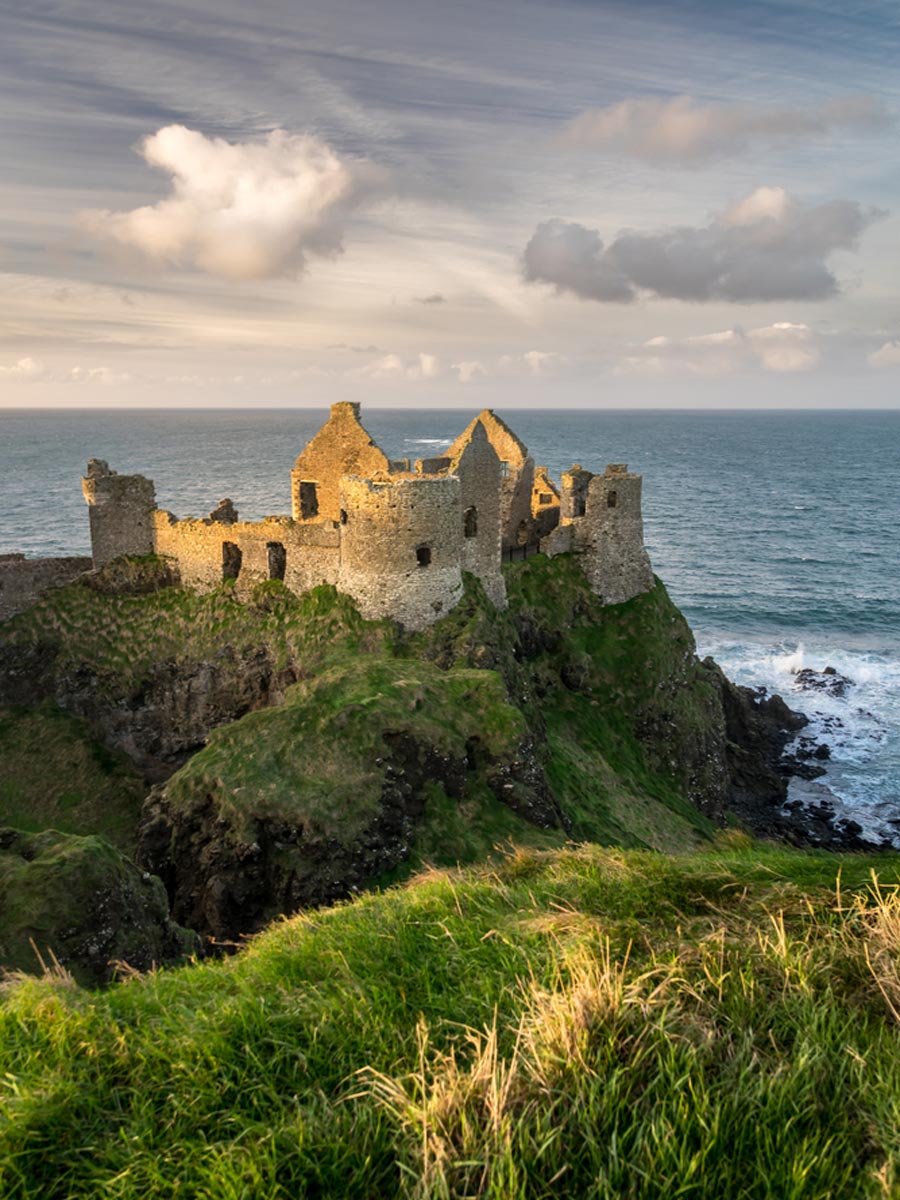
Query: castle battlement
395	536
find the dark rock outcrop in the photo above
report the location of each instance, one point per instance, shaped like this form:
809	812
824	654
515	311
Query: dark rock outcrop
80	900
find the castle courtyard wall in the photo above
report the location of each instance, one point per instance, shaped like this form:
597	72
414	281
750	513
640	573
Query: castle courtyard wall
311	550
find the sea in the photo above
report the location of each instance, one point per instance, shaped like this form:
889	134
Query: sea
776	532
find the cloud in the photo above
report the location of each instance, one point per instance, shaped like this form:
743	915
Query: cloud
767	247
435	298
469	370
680	131
25	368
782	347
887	355
245	210
392	366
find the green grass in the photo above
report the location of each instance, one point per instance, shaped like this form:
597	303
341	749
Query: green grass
54	774
122	637
581	1023
317	759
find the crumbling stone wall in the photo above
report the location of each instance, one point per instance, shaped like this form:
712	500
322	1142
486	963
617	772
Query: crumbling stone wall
477	467
401	546
545	507
119	510
341	447
203	551
396	541
24	580
610	534
517	477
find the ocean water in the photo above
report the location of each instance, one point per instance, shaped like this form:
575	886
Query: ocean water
776	532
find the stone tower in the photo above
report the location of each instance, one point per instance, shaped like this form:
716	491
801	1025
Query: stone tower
401	546
604	513
119	511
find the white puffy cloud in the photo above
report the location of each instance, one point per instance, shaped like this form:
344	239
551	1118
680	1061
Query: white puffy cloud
887	355
769	246
25	368
393	366
469	370
245	210
682	131
782	347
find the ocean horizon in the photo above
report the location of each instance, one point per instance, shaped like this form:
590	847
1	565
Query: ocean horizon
773	530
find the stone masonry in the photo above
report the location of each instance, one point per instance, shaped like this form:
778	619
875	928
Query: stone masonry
394	536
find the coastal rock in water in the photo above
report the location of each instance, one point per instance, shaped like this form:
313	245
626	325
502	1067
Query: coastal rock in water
830	681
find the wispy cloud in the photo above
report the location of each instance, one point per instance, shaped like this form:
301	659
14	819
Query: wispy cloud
681	131
783	347
767	247
246	210
887	355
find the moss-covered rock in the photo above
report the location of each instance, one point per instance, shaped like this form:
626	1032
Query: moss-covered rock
78	899
307	802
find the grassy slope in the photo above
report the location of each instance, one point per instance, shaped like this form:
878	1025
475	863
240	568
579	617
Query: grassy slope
595	764
575	1023
55	775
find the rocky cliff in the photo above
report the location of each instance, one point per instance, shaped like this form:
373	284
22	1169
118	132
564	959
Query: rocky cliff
299	753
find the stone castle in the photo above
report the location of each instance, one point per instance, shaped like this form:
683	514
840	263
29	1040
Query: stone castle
395	536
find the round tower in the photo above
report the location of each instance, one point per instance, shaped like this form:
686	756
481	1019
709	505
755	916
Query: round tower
401	546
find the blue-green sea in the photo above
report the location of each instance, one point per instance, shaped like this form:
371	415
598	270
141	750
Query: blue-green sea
778	533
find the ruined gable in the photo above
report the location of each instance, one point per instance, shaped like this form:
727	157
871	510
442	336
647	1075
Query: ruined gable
341	447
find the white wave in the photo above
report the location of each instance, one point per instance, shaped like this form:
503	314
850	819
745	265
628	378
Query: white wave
427	441
861	728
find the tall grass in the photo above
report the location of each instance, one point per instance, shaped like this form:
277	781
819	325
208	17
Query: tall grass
563	1023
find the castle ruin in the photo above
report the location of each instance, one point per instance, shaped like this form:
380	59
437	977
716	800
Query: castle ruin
395	536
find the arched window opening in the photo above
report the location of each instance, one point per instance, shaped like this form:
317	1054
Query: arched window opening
470	522
522	534
423	556
343	516
231	560
611	499
309	501
277	556
579	506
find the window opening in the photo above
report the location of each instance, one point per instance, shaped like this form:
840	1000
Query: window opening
470	522
309	501
423	556
231	560
611	499
277	556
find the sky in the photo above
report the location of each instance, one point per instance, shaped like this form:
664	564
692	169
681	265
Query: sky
562	203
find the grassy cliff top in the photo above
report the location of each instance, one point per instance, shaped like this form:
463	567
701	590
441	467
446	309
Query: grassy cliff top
568	1023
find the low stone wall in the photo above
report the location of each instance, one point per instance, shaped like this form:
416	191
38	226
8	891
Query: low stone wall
24	580
209	551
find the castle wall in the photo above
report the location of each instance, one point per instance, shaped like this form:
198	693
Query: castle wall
308	554
24	580
341	447
119	511
478	469
401	547
610	537
545	507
